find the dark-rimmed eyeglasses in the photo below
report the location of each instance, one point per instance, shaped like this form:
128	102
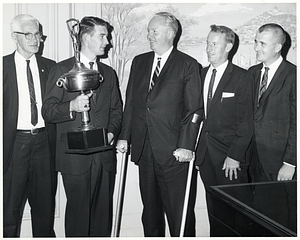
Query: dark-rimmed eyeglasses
29	36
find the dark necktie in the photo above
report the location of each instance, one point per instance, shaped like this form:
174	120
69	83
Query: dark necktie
210	88
94	93
155	74
34	116
91	65
263	84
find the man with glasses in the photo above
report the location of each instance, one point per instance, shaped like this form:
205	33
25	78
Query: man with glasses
27	154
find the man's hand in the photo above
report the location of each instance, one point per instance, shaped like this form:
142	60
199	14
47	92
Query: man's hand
81	103
231	166
122	146
110	138
286	173
183	155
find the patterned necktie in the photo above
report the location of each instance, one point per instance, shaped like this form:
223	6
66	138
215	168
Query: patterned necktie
155	74
34	115
263	84
210	88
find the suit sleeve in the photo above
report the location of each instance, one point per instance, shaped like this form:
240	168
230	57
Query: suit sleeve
128	110
115	113
54	110
244	119
193	110
290	152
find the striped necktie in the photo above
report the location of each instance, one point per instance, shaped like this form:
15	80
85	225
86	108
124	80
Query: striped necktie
155	74
263	84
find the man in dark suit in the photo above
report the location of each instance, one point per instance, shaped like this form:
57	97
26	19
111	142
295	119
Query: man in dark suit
27	159
88	178
228	125
274	144
162	116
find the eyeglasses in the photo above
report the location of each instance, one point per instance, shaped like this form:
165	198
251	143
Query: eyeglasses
29	36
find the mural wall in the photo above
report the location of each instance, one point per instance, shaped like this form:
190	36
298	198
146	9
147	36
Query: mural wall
130	27
130	24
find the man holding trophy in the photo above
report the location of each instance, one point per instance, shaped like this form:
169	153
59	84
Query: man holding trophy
88	113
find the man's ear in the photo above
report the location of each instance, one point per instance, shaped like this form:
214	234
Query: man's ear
14	37
278	47
229	46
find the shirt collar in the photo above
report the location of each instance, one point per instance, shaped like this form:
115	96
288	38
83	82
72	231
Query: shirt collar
20	58
165	55
274	65
220	69
85	60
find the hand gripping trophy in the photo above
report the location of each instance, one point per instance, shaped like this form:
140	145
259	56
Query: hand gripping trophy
86	138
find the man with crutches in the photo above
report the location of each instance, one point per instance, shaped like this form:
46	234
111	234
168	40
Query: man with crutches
162	115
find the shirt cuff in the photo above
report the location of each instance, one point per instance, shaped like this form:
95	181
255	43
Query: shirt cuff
289	164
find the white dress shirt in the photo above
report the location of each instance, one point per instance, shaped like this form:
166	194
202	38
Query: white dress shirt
220	70
163	60
272	70
24	114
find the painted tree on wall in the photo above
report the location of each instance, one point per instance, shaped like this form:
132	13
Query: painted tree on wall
127	30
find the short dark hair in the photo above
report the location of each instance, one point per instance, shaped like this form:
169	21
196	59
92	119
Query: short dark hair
87	25
229	34
276	29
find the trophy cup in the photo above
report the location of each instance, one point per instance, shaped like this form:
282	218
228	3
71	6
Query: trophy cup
86	138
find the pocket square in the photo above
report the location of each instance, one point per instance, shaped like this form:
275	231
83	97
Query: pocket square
227	94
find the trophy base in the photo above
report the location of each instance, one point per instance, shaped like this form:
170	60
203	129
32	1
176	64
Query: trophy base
87	141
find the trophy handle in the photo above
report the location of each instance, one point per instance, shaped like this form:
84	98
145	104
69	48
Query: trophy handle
60	82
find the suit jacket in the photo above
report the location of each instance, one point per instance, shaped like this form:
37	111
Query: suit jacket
171	112
228	127
106	112
11	104
275	118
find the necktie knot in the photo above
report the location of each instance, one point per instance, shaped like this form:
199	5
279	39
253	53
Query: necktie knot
91	65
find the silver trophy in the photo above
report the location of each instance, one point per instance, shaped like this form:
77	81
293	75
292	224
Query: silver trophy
86	138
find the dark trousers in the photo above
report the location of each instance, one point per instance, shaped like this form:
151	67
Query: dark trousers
256	170
162	190
29	176
213	175
89	202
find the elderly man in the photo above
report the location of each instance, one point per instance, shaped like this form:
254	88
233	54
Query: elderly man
28	163
162	114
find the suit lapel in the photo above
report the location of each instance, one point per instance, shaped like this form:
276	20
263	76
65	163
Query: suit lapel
165	67
41	68
223	81
257	77
276	83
